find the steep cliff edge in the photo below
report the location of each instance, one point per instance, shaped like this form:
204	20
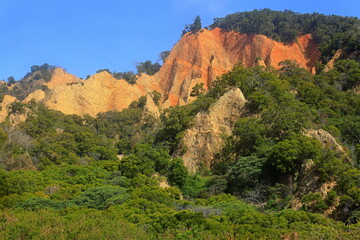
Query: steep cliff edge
196	58
201	57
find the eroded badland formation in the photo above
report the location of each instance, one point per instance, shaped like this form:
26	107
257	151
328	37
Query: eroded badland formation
196	58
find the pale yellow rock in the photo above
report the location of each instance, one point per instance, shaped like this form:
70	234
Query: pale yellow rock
151	108
37	95
5	106
261	63
206	136
331	63
16	119
61	78
100	93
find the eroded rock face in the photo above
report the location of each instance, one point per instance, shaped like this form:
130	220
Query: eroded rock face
151	108
100	93
4	106
206	136
196	58
200	58
330	65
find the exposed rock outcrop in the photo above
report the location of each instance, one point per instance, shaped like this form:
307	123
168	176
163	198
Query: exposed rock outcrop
200	58
196	58
206	136
100	93
4	106
331	63
151	108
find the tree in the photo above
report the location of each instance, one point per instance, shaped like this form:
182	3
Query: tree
349	76
164	55
101	197
45	66
197	89
156	96
148	67
177	172
245	173
132	165
128	76
103	70
11	80
288	155
194	27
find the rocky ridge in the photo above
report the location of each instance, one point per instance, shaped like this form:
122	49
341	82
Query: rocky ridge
196	58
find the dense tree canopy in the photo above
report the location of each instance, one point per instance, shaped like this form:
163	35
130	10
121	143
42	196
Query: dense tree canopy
330	32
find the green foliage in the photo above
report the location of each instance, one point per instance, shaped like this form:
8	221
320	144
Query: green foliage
197	90
104	70
194	27
11	80
164	55
132	165
313	202
128	76
76	175
177	172
101	197
194	187
349	73
158	156
249	134
148	67
156	96
41	72
43	67
42	203
330	32
17	108
177	119
287	156
245	174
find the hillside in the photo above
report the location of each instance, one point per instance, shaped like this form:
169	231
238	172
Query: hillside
196	58
251	139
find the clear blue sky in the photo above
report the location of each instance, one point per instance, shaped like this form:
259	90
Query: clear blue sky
85	35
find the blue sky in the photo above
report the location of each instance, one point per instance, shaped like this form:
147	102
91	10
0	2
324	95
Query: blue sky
83	36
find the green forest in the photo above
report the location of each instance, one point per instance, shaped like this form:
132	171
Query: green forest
113	176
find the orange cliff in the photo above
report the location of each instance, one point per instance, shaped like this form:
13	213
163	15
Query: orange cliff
199	58
196	58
